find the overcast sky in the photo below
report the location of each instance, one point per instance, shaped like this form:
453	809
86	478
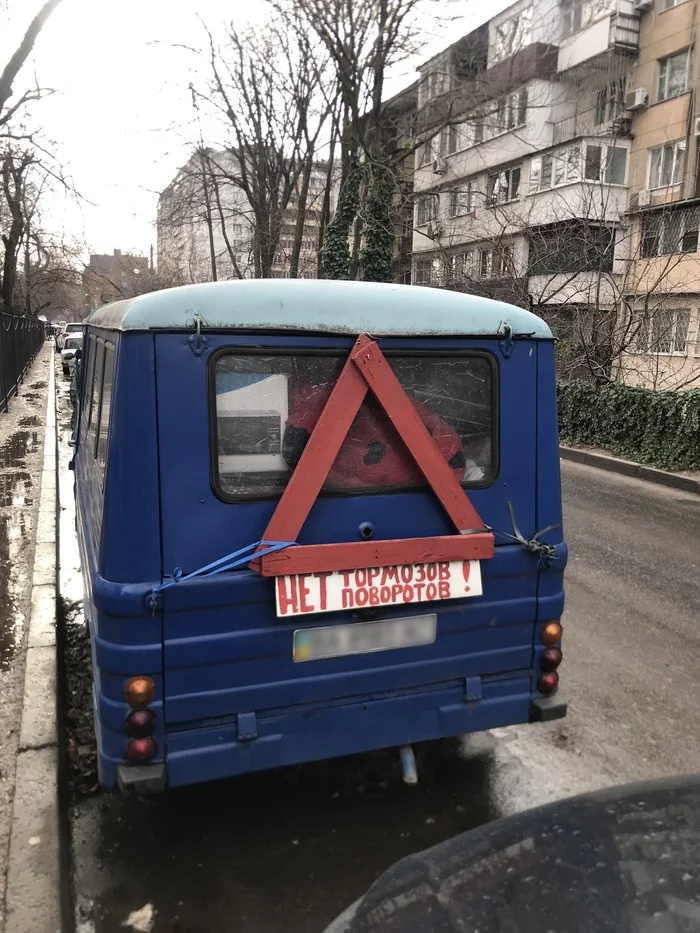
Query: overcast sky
121	117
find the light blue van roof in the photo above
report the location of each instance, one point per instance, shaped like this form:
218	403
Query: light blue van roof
321	306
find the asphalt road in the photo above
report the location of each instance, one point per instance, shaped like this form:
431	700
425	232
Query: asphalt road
286	851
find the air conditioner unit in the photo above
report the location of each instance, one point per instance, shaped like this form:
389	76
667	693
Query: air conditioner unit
641	5
637	98
697	126
644	198
439	166
622	126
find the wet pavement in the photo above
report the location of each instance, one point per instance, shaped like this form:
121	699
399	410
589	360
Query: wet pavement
287	850
21	447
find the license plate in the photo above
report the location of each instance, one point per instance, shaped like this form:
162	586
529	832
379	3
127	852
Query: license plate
335	641
306	593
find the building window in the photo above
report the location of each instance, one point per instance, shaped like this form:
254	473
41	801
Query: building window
427	209
512	35
610	101
667	164
510	112
459	137
435	83
665	330
571	247
461	200
670	231
562	167
673	75
462	266
605	163
669	4
495	263
503	186
423	272
428	151
572	16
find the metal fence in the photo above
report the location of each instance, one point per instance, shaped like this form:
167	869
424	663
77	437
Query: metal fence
20	341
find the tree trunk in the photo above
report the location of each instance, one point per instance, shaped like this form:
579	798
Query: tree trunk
12	187
224	231
208	218
376	252
27	274
301	216
326	206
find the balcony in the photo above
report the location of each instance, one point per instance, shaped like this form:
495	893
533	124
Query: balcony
584	124
538	60
610	35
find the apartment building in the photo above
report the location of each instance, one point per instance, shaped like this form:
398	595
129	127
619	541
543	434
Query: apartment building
204	224
206	227
108	278
400	120
558	168
664	202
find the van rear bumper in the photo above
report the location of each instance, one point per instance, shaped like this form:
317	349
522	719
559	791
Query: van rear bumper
328	732
310	734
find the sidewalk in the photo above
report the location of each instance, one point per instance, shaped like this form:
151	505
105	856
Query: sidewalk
21	463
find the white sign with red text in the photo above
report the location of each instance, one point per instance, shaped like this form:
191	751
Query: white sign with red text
332	590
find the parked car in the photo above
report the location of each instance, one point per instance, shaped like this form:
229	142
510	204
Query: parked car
614	860
71	328
72	343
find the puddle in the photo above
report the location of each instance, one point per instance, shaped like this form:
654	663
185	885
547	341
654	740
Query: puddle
15	490
14	540
16	448
38	385
31	422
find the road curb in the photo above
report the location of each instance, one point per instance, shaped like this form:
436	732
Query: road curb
629	468
33	875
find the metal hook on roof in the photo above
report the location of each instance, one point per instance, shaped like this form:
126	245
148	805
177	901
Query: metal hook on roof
506	345
197	341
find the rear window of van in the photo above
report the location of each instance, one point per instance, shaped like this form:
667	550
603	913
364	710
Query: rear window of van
266	407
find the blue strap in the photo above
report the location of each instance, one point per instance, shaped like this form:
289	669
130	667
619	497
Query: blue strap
229	562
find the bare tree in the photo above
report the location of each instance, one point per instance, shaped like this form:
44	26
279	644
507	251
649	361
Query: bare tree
363	38
11	108
268	87
14	167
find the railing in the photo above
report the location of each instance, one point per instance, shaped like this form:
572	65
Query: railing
20	341
584	124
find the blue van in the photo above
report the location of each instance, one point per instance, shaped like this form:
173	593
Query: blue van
315	518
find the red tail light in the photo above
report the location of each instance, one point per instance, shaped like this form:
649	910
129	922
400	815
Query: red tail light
141	723
140	749
548	682
550	659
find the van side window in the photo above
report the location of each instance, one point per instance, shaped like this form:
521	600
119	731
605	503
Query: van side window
93	410
105	406
88	383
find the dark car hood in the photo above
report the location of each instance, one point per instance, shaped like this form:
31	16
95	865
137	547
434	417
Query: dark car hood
626	859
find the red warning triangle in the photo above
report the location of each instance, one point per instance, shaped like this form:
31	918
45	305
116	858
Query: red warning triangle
365	369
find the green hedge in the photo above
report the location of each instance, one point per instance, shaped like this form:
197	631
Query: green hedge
659	428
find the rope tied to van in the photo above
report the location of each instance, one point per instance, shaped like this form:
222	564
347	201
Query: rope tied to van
545	552
229	562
